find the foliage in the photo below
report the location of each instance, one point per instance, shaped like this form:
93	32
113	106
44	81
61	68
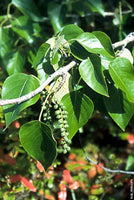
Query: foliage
100	82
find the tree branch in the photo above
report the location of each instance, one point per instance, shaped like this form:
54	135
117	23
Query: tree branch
60	72
28	96
129	38
105	168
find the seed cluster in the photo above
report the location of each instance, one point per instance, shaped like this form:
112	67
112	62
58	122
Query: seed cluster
61	116
55	111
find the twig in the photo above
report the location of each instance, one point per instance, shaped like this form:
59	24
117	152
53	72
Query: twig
62	71
105	168
129	38
105	14
28	96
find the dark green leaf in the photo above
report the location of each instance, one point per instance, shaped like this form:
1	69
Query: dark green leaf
6	41
105	41
16	86
36	138
79	108
71	31
42	63
58	44
23	27
92	44
56	14
96	6
91	73
42	52
44	70
122	73
118	107
14	62
79	51
28	7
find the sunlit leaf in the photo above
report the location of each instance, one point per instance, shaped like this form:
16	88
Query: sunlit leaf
92	44
127	54
130	162
16	86
91	72
122	73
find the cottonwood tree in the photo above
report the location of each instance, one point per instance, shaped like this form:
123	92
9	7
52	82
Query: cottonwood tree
78	73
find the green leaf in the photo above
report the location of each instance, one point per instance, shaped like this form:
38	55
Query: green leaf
71	31
118	107
92	44
58	43
96	6
79	51
79	108
105	41
14	62
16	86
122	73
56	14
36	138
42	52
79	7
24	28
29	8
9	196
42	63
6	41
91	73
130	163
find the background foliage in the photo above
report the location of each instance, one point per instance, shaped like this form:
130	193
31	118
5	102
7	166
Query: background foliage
25	27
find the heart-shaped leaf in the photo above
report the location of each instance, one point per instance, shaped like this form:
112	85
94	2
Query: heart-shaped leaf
16	86
79	108
105	41
118	107
91	73
71	31
36	138
122	73
92	44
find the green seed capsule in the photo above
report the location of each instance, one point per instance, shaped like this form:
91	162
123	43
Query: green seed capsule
62	134
56	106
45	114
64	151
57	112
62	142
62	130
58	116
